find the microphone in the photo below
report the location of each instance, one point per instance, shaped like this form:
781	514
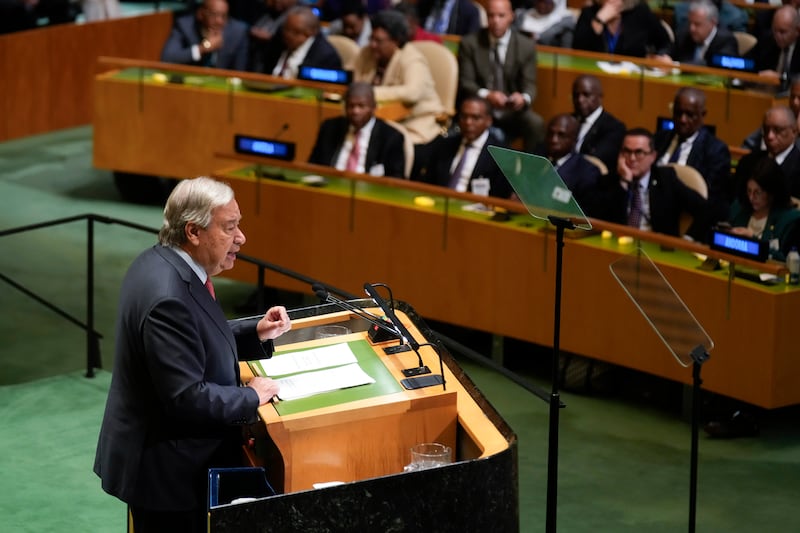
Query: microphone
281	131
409	382
381	330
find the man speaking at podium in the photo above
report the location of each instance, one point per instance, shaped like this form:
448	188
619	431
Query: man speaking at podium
175	405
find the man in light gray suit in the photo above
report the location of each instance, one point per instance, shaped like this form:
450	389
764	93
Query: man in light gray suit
499	64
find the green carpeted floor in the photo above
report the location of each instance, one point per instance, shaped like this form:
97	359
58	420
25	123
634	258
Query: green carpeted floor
624	458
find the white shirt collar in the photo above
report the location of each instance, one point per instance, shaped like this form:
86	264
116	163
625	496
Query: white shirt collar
200	271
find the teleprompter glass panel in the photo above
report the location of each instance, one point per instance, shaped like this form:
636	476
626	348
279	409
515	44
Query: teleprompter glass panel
539	187
661	306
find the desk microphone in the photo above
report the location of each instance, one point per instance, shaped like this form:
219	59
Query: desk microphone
381	330
281	131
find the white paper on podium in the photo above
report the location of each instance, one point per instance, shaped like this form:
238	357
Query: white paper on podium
310	383
314	359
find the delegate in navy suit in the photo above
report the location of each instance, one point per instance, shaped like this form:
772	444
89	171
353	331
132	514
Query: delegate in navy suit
208	38
175	405
386	146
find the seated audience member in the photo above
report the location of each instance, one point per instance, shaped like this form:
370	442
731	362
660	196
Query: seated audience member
358	141
418	33
776	53
704	37
353	23
547	22
499	64
462	161
755	140
731	17
301	44
578	174
454	17
268	25
622	27
690	143
400	73
208	38
763	209
779	130
600	134
646	196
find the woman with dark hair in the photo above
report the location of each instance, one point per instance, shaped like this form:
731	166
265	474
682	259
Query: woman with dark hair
400	73
763	209
622	27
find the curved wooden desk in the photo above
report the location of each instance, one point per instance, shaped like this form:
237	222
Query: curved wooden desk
465	268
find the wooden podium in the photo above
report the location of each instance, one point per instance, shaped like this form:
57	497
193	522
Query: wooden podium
362	437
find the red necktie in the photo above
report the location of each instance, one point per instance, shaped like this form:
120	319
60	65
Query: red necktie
210	287
352	160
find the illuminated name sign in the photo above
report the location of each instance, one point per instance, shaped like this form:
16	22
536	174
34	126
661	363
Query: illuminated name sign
270	148
738	245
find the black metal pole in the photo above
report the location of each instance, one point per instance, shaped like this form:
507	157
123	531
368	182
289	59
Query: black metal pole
555	399
92	352
696	401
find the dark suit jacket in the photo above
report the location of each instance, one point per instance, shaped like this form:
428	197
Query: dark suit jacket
464	18
583	179
766	54
711	158
321	54
723	43
641	33
174	402
669	197
386	146
185	33
475	67
604	139
435	159
790	168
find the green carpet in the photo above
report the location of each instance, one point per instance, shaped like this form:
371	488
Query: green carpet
623	461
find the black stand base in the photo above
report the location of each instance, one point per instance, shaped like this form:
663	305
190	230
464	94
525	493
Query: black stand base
416	371
422	382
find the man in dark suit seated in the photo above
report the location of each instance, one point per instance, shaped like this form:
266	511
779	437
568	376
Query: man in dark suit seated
755	141
704	37
779	130
690	143
776	53
581	176
499	64
454	17
646	196
340	140
462	161
208	38
301	44
600	134
176	407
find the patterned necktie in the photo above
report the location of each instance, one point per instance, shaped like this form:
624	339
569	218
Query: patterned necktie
355	153
455	176
210	287
635	213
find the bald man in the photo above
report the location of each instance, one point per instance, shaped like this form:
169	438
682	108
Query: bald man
600	133
579	175
779	130
776	53
301	44
690	143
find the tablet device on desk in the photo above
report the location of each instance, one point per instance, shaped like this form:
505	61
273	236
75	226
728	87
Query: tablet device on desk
264	86
743	64
326	75
739	245
271	148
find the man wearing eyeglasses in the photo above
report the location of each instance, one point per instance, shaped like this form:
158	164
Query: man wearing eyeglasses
779	132
208	38
649	197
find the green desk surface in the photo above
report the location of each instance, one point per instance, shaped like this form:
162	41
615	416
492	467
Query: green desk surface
210	82
384	384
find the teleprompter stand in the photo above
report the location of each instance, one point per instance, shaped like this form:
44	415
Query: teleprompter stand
546	197
678	329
